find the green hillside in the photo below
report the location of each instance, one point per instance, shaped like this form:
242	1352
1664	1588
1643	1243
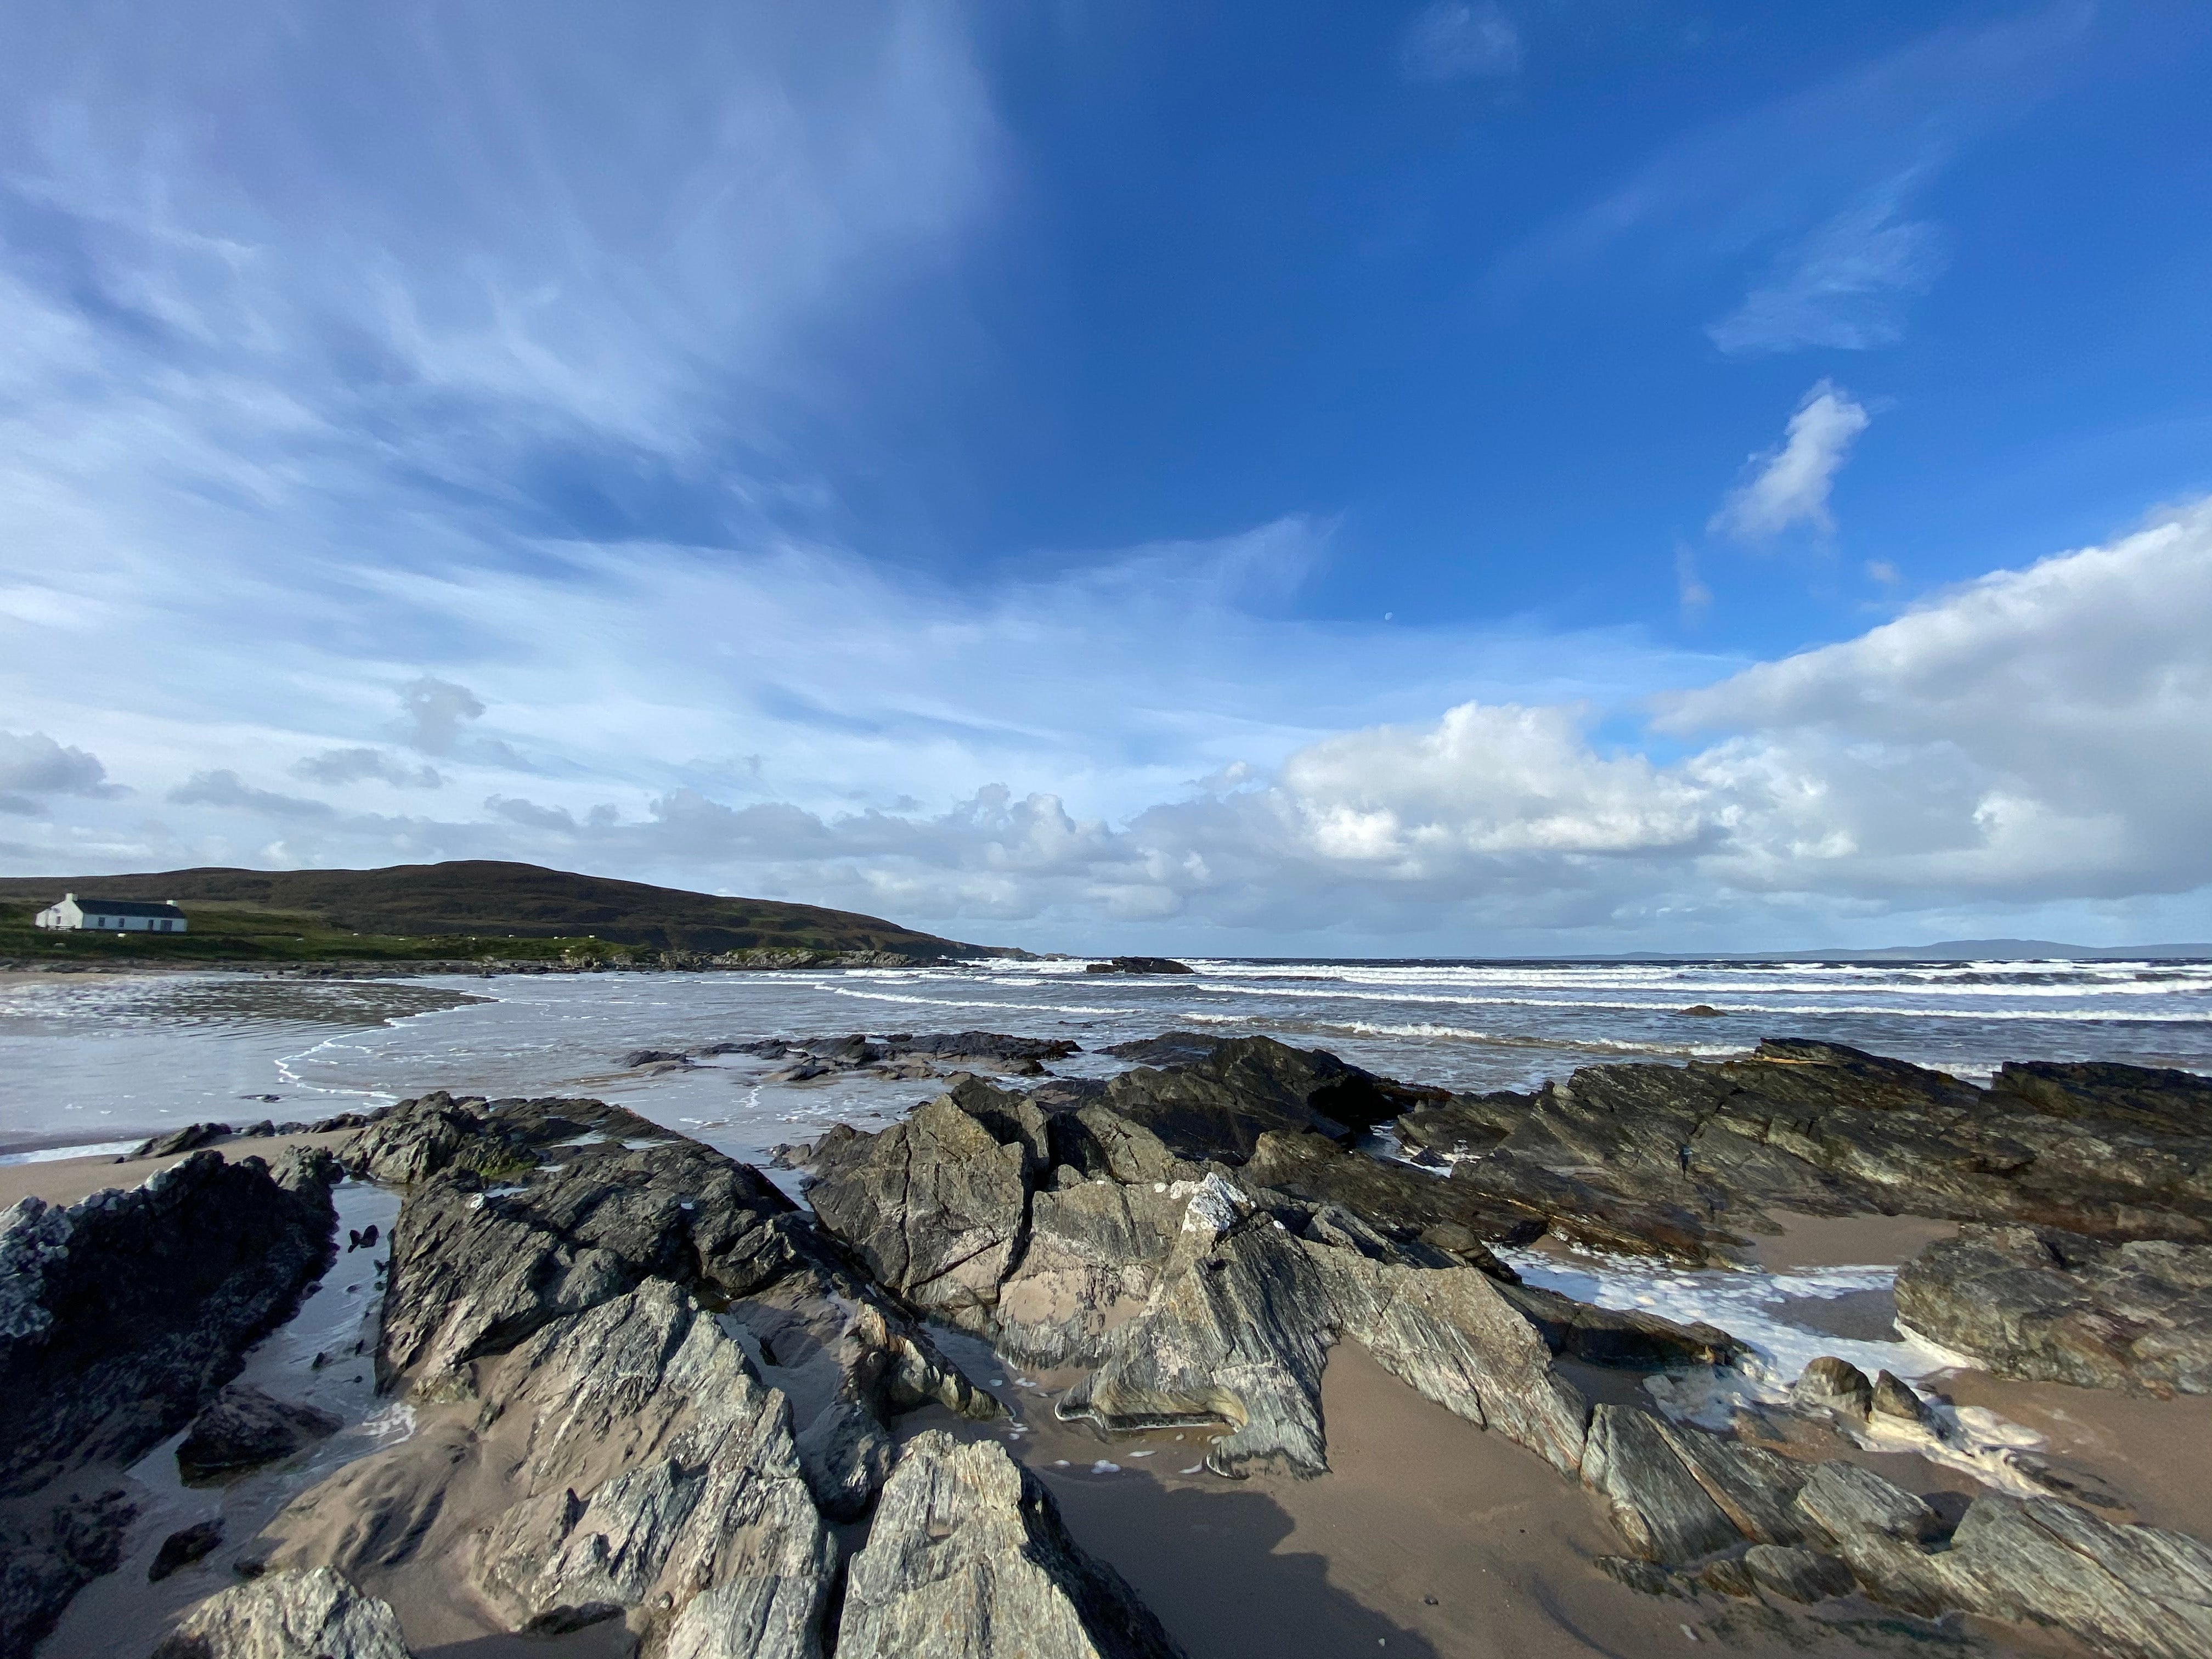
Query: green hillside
470	909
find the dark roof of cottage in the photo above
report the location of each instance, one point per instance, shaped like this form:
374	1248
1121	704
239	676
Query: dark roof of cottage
108	907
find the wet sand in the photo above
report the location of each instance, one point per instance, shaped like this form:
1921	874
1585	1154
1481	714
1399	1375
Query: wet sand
66	1180
1428	1537
2155	1456
1846	1241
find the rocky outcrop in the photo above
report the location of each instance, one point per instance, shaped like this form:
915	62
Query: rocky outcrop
901	1054
1138	965
969	1558
2053	1306
655	1472
288	1616
935	1205
1685	1161
1214	1098
519	1212
121	1316
48	1553
242	1428
625	1455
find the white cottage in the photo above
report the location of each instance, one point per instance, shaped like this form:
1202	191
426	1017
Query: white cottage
113	916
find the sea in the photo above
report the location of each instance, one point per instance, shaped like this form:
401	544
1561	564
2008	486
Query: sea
92	1063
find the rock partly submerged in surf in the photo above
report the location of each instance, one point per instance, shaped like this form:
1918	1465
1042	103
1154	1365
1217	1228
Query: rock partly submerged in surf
243	1427
1688	1161
2048	1305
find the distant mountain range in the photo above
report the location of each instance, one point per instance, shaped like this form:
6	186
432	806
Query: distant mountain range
1949	950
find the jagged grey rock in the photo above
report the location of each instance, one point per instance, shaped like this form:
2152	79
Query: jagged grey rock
1796	1574
523	1211
1657	1503
1686	1161
1842	1500
48	1554
1096	1252
656	1468
2133	1592
1753	1487
314	1614
935	1205
243	1427
121	1315
1212	1097
968	1559
2048	1305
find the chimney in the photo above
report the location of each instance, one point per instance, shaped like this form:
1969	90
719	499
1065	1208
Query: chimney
66	897
172	904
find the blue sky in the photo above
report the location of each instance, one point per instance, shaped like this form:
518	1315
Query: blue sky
1573	475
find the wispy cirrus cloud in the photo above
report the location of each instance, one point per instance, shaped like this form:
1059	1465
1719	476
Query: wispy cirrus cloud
1843	286
1810	194
1455	41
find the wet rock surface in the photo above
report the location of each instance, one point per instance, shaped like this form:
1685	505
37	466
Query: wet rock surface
660	1400
120	1316
243	1427
1685	1161
2048	1305
899	1054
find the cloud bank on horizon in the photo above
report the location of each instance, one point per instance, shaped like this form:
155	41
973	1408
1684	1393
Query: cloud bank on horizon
418	447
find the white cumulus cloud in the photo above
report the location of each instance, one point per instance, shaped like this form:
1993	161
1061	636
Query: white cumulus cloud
1789	484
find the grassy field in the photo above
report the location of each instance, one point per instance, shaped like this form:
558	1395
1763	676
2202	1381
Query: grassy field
469	910
219	935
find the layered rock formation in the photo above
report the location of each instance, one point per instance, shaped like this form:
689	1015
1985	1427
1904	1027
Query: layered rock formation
654	1388
2052	1306
1684	1161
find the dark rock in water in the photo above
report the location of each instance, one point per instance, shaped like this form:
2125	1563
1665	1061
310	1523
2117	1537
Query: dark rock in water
983	1045
2040	1303
1388	1195
242	1428
288	1616
190	1139
183	1547
637	1057
1835	1386
121	1316
1893	1398
2159	1102
969	1558
1702	1011
47	1555
1797	1575
1214	1098
1138	965
1688	1158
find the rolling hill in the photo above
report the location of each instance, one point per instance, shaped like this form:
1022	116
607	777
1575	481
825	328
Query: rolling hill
466	907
